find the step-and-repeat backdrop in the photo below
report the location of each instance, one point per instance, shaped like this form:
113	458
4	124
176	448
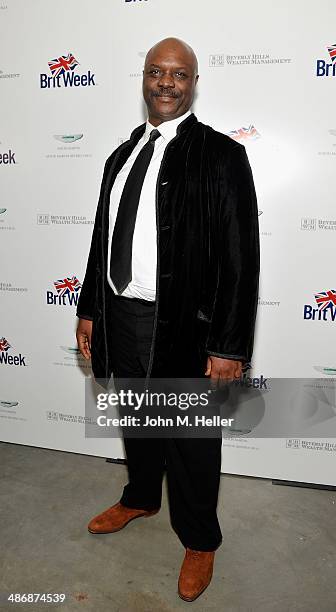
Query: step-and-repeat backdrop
70	91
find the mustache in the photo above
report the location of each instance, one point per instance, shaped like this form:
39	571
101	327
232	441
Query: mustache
159	93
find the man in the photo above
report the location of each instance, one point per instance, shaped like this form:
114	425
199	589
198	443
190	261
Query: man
171	291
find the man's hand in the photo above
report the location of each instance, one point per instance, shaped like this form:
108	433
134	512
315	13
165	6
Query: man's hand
222	370
83	335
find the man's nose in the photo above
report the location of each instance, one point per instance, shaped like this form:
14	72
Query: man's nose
166	80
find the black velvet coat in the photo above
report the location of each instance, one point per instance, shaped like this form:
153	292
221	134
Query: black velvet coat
207	255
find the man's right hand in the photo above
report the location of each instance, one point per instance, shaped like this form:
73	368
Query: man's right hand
83	335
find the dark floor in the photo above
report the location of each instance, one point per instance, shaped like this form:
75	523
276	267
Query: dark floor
278	551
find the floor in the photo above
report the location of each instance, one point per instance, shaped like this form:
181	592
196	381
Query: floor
278	552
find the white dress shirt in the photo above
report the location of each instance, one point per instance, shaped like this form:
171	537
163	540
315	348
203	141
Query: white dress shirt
144	254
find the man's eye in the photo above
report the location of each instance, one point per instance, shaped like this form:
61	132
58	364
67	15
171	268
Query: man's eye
180	74
154	71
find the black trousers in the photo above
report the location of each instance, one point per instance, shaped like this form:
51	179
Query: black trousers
193	465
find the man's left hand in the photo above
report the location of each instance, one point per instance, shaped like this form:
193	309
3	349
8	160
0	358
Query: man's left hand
223	370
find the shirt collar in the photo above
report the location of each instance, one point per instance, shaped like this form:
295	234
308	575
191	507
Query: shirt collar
167	128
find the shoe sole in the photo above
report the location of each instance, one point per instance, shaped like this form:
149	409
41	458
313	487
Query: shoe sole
196	596
147	515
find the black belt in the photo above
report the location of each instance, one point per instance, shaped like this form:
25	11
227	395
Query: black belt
137	300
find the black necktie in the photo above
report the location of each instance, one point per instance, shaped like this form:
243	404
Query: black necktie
122	239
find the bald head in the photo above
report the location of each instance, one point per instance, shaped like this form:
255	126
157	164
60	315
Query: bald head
174	45
169	79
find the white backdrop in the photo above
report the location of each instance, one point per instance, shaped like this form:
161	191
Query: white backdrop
264	80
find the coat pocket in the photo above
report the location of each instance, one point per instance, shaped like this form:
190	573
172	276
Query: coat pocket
203	316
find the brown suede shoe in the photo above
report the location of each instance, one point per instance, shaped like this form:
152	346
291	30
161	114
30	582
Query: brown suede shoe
196	573
116	518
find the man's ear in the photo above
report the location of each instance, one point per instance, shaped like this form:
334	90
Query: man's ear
196	78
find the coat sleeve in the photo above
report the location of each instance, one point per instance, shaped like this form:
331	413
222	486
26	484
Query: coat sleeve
233	318
87	298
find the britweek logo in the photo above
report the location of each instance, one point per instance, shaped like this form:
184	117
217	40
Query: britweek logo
63	75
67	292
244	134
326	307
7	158
6	359
257	382
327	69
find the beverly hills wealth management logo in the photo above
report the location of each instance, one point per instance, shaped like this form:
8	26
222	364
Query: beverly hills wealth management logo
315	223
46	219
324	308
67	292
6	358
63	74
327	68
219	60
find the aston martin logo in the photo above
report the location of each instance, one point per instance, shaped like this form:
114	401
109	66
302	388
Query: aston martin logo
70	349
68	138
8	404
325	370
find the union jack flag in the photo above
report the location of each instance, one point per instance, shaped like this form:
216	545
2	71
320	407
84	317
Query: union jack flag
326	299
332	52
244	133
62	64
4	345
66	286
